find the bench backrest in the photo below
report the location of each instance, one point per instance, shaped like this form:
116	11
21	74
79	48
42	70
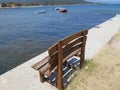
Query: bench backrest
66	48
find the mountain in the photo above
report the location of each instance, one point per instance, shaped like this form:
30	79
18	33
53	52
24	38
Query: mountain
48	2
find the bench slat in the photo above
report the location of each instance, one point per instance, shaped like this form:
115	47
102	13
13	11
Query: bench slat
53	49
48	72
71	54
72	37
53	58
66	56
70	45
45	68
75	50
41	63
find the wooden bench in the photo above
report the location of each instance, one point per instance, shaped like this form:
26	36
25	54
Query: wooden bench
54	67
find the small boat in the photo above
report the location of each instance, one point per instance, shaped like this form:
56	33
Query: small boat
63	10
57	8
40	12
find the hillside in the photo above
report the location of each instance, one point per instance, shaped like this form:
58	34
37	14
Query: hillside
47	2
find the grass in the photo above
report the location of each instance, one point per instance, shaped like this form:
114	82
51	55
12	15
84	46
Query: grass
103	71
80	78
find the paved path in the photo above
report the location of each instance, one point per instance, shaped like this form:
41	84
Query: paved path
100	35
24	77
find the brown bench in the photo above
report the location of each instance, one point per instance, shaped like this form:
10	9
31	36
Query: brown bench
54	67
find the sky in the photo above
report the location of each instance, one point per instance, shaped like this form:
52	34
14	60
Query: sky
106	1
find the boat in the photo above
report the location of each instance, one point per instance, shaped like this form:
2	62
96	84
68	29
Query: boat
41	12
57	8
63	10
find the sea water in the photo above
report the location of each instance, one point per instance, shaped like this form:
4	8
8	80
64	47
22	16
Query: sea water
24	34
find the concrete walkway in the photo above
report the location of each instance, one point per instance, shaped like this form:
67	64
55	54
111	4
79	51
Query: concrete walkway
24	77
100	35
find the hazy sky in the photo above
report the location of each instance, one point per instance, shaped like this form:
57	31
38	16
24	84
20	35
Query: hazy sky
106	1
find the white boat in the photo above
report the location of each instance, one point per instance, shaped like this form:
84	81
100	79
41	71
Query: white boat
41	12
57	8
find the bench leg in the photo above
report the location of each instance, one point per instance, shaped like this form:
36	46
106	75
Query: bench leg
60	64
83	49
82	61
42	79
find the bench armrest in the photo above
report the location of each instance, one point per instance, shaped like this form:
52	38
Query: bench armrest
41	63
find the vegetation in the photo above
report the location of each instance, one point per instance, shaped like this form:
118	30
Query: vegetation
79	81
3	5
43	2
57	2
11	4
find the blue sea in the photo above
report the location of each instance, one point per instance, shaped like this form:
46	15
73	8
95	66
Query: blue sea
24	34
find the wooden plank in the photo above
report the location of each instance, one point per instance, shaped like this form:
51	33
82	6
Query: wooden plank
71	54
72	37
53	52
53	61
53	49
44	68
53	65
41	63
53	58
71	50
70	45
48	72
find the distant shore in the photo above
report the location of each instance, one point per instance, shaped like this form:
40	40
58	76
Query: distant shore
42	6
21	7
